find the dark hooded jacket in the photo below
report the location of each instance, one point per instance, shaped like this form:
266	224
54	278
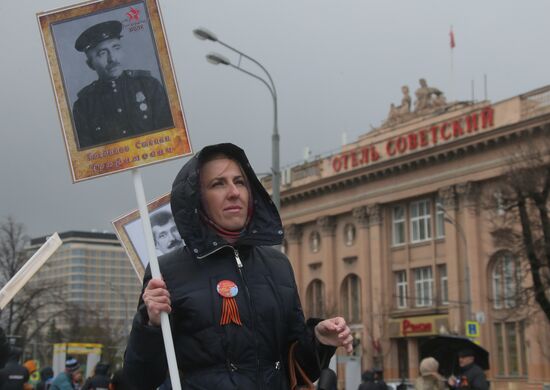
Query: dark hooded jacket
13	375
100	380
213	356
473	377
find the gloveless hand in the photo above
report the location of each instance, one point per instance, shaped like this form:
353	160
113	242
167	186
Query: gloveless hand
334	332
157	300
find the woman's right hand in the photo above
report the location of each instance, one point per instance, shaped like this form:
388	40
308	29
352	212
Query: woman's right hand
157	300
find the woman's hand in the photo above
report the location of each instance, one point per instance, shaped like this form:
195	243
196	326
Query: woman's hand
334	332
157	300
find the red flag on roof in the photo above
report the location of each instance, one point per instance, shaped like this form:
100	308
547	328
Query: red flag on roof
452	35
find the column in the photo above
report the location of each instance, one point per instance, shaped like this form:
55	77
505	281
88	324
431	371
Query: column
455	269
293	235
469	193
327	224
379	286
361	218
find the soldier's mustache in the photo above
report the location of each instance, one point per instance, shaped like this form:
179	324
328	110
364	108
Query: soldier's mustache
113	65
173	244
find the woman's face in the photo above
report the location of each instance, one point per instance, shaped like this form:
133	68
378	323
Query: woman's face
224	192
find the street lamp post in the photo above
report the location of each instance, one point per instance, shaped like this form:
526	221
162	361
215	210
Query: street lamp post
218	59
462	235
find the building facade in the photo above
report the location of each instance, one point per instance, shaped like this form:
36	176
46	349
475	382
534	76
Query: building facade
394	232
95	274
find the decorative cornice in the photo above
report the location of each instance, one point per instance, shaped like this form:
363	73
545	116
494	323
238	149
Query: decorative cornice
293	233
327	224
361	216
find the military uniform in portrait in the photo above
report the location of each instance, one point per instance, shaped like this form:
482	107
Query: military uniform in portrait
121	103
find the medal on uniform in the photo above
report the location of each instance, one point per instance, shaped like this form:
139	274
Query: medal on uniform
230	311
140	99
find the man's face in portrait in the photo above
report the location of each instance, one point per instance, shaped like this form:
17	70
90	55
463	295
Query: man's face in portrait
106	59
167	237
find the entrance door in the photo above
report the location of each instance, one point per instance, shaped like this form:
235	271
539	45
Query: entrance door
403	358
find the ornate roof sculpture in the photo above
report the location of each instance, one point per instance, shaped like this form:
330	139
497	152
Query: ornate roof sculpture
428	100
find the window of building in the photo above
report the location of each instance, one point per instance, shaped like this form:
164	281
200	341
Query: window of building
78	261
443	284
423	286
504	280
78	269
349	234
351	298
402	289
315	242
398	225
421	228
511	353
315	298
439	220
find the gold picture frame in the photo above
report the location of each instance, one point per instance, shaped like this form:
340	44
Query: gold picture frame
129	231
114	84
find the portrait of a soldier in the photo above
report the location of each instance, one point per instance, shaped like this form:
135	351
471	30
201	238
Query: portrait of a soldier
121	103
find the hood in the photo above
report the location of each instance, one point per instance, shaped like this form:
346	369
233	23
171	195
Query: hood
264	228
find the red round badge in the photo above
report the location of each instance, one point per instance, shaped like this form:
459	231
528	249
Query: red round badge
227	289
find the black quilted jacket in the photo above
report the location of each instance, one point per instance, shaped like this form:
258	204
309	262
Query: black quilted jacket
213	356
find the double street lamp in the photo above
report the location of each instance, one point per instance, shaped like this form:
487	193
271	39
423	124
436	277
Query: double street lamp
218	59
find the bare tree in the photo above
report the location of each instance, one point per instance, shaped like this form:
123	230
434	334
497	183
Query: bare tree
522	222
19	317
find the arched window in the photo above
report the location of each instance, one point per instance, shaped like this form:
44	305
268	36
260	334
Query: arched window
505	278
349	234
315	299
350	294
315	242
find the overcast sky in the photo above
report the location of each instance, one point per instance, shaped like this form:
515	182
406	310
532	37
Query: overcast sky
337	66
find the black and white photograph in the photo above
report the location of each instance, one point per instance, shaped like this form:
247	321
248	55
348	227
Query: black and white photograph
110	70
165	233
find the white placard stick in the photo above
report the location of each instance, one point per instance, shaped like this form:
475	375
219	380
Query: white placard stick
155	272
26	272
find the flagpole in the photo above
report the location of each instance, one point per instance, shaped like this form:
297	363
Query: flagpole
452	44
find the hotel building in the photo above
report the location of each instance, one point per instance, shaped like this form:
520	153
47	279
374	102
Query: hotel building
394	233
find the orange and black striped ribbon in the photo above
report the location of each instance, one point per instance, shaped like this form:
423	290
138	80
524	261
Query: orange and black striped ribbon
230	312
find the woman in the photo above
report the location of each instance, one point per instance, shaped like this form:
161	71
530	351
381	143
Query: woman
429	378
233	300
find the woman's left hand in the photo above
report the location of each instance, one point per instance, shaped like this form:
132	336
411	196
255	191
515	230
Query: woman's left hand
334	332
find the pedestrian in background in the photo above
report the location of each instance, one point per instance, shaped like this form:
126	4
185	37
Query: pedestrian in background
100	379
46	378
429	378
470	375
371	382
14	375
66	380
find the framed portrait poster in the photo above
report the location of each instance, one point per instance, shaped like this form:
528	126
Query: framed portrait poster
165	233
114	85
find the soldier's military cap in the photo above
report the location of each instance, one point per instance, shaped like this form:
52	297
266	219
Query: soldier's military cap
98	33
